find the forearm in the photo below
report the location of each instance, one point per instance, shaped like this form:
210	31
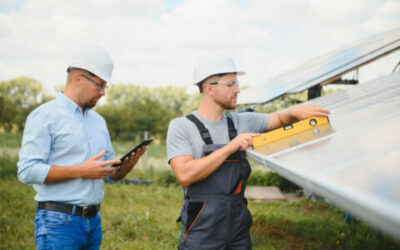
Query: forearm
281	119
194	170
63	173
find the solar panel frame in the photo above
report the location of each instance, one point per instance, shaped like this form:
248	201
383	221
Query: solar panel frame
324	68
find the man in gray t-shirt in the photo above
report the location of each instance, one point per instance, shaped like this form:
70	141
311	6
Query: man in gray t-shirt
205	150
184	138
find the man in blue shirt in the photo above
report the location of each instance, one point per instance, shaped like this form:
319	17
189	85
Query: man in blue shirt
66	152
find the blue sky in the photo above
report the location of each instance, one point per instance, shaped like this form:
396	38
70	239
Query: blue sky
7	6
265	37
171	4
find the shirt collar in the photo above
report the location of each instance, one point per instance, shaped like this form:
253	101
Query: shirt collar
68	103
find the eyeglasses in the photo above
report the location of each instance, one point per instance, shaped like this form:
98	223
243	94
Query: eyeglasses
229	83
99	85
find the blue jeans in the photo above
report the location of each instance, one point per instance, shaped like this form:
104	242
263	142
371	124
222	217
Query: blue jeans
57	230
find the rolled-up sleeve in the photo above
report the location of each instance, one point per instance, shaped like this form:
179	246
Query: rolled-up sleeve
36	141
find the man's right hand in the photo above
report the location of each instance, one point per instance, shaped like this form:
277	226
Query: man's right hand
95	169
189	170
90	169
241	142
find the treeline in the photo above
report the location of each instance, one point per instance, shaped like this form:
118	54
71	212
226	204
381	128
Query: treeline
129	109
18	97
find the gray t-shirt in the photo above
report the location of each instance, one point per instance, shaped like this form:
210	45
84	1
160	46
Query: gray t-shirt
183	136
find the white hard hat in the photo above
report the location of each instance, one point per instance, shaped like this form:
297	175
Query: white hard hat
214	65
94	59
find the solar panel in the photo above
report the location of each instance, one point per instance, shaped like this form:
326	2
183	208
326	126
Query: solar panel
356	162
323	68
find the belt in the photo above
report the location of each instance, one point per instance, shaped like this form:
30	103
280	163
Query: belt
85	212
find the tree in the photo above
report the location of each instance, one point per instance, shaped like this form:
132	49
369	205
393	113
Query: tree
130	109
19	97
7	111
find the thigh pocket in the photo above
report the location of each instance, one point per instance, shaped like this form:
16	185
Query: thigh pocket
54	219
194	210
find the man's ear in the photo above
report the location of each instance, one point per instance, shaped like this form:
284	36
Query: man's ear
207	89
76	77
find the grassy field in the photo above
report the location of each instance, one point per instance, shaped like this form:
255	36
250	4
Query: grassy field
143	217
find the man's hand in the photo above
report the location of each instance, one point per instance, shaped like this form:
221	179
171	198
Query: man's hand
90	169
302	112
94	169
128	164
241	142
189	170
291	115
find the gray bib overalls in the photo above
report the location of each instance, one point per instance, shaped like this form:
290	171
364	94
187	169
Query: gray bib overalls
214	213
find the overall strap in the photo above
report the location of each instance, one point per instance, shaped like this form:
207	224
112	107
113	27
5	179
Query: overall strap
231	128
205	135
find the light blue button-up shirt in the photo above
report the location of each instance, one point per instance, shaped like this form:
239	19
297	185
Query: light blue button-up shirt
58	134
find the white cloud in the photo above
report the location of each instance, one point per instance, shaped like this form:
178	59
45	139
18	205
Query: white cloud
305	12
153	47
387	16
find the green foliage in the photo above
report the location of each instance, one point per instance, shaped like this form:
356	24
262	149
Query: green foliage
9	146
167	178
311	225
283	102
17	211
287	100
7	112
10	140
258	178
8	167
22	91
143	217
130	110
18	97
130	122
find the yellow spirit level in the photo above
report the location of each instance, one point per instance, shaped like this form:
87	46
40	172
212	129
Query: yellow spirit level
295	128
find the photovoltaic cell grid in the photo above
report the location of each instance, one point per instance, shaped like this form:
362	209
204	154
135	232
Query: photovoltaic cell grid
357	164
323	68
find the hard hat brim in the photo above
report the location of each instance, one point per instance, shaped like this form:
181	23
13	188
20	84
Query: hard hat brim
239	73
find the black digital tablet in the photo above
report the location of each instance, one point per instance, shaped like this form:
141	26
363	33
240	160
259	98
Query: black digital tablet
143	143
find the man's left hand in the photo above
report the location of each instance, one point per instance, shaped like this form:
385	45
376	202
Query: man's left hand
128	164
301	112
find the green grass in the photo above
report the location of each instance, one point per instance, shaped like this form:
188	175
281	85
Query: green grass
154	150
10	140
143	217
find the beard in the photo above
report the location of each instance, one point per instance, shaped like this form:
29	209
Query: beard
92	103
227	104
